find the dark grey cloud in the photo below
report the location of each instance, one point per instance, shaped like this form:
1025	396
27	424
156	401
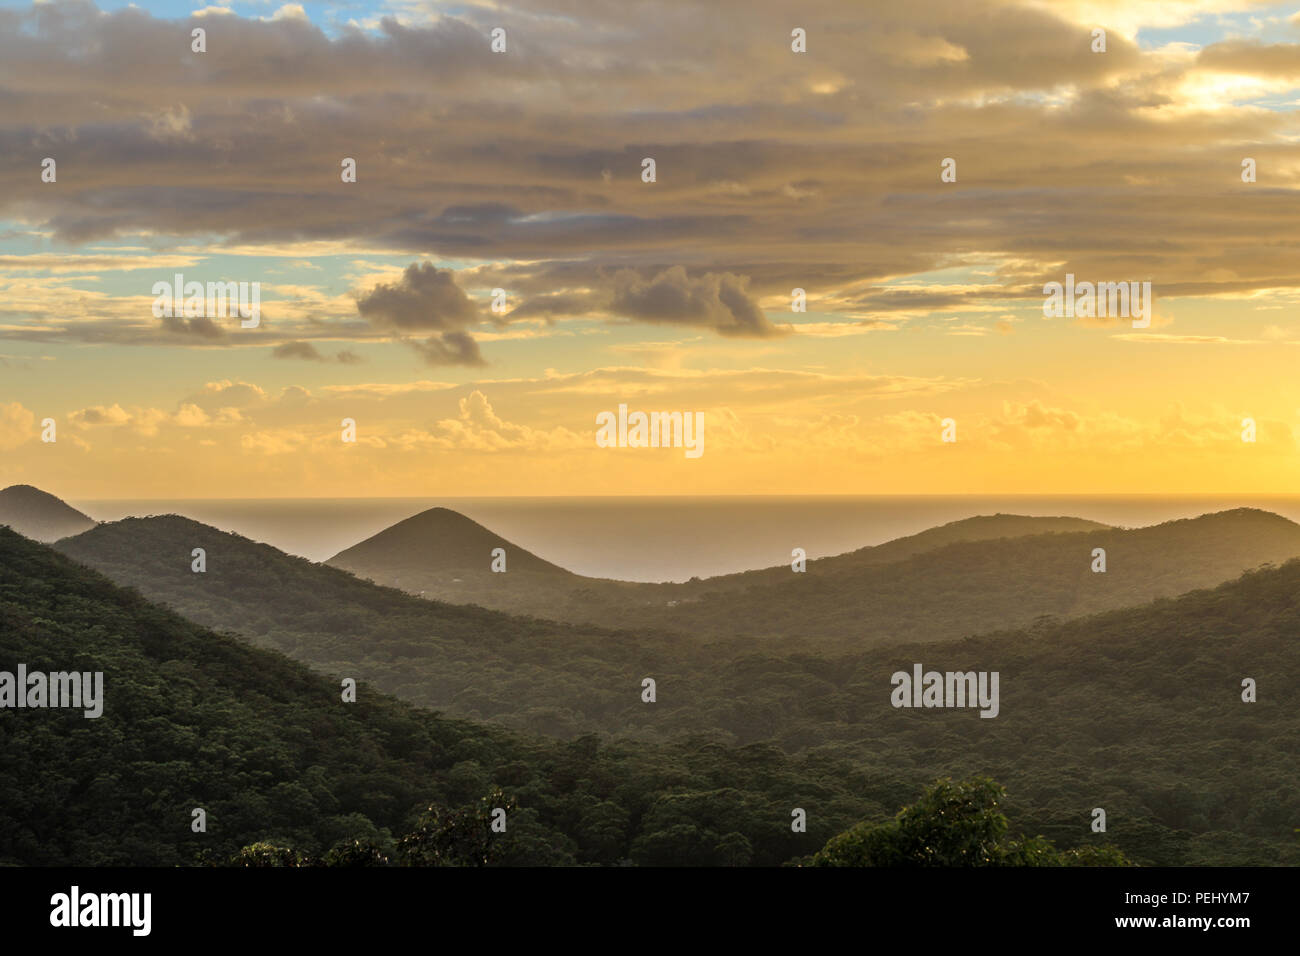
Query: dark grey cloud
200	326
449	348
550	305
426	298
716	301
297	350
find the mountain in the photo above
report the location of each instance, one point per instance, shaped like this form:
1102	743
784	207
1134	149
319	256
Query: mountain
40	516
190	719
440	540
976	528
558	679
969	576
972	586
196	719
1138	711
474	662
443	555
564	679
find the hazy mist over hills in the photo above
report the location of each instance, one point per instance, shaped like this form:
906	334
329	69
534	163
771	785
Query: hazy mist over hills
963	577
40	515
974	574
448	555
666	538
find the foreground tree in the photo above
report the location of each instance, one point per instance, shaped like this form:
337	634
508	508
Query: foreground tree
954	825
461	837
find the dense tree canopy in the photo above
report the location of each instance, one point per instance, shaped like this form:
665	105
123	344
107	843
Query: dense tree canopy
954	825
1136	711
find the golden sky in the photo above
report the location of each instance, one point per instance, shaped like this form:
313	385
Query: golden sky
522	171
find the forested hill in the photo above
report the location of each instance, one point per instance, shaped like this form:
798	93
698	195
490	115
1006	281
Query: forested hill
40	515
195	719
190	719
443	547
969	587
546	677
156	555
443	555
975	528
565	680
1137	711
962	578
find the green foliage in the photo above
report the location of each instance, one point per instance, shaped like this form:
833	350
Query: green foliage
952	825
269	854
196	719
1130	711
356	853
461	837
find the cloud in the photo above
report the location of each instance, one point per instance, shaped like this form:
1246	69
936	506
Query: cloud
1037	415
297	350
479	428
449	348
271	443
290	11
836	330
425	299
551	304
16	425
202	327
171	124
227	394
143	421
191	416
533	159
57	263
1182	339
386	389
716	301
101	415
149	421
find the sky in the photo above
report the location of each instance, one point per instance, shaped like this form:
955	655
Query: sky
774	170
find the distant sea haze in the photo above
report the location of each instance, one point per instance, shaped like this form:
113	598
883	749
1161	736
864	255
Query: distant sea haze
662	539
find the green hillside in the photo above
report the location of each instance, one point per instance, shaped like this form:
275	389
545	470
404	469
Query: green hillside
962	578
968	587
549	678
1137	711
442	555
193	718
